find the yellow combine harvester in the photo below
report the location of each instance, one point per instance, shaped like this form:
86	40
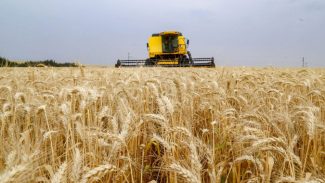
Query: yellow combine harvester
168	49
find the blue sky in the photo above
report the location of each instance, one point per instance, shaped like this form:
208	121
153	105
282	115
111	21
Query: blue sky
236	33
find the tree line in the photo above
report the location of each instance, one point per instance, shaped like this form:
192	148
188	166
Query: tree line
43	63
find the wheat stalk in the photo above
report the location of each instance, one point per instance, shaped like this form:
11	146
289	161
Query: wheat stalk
59	175
99	171
184	173
9	175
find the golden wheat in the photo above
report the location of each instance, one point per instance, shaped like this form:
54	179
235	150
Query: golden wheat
162	125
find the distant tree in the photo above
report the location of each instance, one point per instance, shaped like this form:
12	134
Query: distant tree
3	61
49	63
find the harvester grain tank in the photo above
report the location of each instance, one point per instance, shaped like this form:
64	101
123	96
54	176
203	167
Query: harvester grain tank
168	49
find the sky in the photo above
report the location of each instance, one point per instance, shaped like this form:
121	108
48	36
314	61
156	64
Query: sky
234	32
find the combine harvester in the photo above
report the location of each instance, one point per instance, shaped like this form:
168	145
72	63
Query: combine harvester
168	49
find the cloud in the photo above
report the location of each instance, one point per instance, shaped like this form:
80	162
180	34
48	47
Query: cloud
309	5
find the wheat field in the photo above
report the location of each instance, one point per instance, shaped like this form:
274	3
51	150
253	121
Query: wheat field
196	125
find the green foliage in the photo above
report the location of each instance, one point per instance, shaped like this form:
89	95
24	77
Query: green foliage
50	63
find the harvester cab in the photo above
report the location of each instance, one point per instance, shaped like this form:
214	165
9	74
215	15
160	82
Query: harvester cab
168	49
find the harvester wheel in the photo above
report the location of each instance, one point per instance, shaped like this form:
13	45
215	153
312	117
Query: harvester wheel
183	61
190	58
149	62
118	64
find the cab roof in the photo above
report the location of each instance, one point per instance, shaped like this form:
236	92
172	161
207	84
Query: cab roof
167	33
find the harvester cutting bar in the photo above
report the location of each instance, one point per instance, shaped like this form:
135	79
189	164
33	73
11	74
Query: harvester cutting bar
195	62
203	62
130	63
